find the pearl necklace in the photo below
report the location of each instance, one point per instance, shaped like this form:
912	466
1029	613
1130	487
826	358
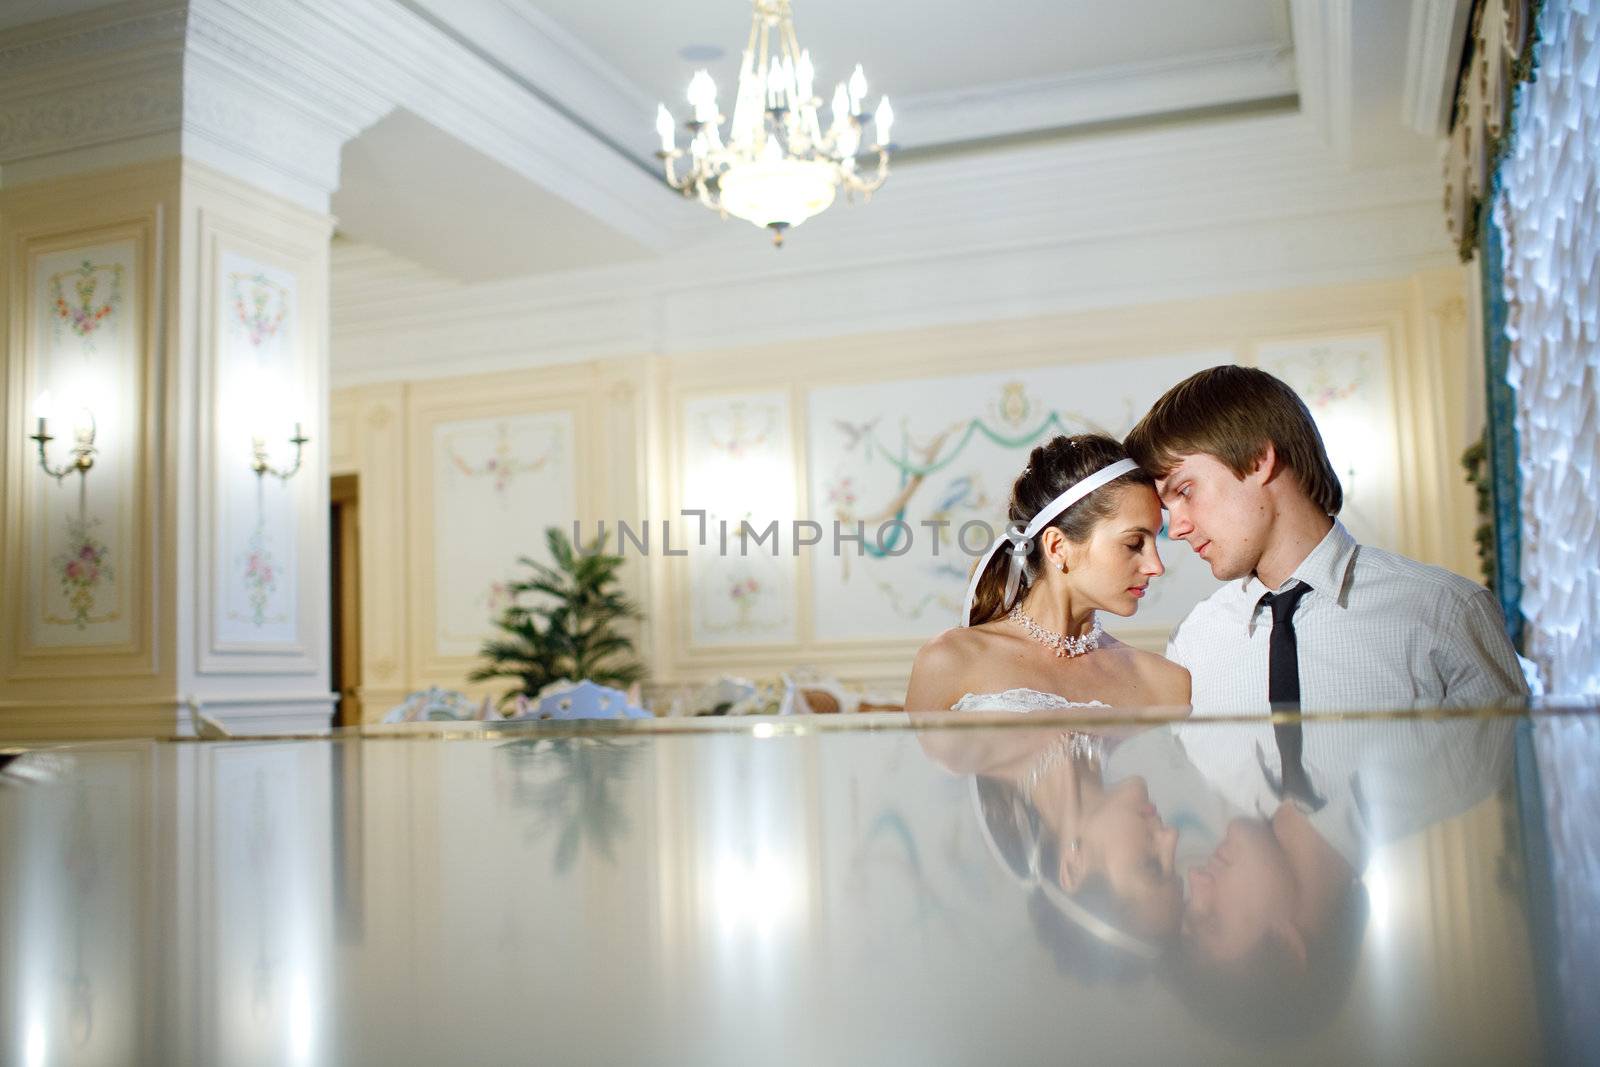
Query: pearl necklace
1061	644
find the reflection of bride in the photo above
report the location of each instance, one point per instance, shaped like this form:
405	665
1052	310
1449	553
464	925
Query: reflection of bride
1097	859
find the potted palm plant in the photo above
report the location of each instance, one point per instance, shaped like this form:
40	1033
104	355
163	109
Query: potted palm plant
568	629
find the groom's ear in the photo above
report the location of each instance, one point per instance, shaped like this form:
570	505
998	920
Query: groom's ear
1266	466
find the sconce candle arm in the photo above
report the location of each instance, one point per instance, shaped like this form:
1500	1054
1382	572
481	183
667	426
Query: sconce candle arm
262	467
82	452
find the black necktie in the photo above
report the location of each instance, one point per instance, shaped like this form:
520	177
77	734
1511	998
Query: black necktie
1283	690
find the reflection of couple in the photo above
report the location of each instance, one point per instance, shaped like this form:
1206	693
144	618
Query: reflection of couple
1182	850
1307	618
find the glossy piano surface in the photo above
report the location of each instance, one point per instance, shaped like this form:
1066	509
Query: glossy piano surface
1005	890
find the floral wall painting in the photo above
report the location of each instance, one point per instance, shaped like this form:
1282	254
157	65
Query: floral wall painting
259	371
85	340
498	483
86	296
738	467
1345	383
936	454
259	306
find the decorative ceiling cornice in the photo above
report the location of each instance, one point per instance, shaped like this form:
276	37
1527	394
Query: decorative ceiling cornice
109	76
1433	63
124	31
271	90
1324	31
1499	56
1108	94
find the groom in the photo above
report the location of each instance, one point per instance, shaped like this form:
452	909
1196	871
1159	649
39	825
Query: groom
1308	619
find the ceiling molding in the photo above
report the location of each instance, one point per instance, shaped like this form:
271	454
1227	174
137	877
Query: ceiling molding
73	86
270	91
1323	35
1434	45
534	49
416	66
1099	96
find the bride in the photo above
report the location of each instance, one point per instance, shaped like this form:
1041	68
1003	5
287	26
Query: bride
1084	519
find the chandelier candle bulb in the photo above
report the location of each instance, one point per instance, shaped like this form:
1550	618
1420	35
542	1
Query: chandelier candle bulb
883	119
775	87
703	96
841	107
665	129
858	90
805	75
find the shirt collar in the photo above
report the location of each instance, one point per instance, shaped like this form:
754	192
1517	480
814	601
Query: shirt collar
1326	569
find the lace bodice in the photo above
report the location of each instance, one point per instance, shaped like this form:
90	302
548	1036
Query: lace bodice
1021	700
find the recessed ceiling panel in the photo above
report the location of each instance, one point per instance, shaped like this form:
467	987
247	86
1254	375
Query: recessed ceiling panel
410	188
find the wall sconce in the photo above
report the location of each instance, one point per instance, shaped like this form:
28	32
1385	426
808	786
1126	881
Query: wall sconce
82	452
258	455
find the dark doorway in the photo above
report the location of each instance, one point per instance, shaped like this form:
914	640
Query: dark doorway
344	540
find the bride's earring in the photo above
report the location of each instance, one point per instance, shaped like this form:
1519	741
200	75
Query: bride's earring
1063	566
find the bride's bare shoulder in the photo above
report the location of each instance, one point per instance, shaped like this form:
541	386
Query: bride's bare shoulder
957	645
1168	680
950	648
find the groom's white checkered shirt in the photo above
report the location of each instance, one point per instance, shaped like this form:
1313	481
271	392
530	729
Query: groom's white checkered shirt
1377	631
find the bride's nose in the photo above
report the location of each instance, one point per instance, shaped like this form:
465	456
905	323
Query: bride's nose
1152	563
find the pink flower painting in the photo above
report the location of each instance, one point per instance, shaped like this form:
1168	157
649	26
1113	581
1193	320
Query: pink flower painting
259	572
259	306
96	294
82	569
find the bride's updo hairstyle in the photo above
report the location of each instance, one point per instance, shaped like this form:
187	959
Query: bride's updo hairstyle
1053	468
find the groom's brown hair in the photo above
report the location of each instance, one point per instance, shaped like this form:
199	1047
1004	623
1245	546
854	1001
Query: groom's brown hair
1232	413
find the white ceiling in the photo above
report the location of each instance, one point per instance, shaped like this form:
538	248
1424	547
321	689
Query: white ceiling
910	47
959	72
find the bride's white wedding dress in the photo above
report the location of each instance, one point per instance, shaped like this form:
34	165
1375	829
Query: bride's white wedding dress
1021	700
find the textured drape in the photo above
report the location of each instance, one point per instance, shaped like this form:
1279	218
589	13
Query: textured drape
1548	214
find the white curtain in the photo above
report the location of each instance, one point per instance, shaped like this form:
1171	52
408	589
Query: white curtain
1549	214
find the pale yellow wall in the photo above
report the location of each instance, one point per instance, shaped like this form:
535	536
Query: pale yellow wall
627	409
182	216
129	689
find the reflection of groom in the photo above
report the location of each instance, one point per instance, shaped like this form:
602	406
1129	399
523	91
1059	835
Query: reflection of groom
1275	915
1307	618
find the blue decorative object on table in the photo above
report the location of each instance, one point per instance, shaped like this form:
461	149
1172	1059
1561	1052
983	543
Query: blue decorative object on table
582	700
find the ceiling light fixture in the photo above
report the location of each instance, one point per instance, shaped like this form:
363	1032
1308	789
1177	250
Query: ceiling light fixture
778	166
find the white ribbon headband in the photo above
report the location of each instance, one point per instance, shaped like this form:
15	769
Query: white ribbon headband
1021	546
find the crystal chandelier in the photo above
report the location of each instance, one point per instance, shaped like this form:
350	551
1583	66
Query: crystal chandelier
778	166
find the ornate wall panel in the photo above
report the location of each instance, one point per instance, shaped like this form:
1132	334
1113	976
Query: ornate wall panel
738	467
945	451
82	329
260	581
256	566
86	332
498	483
